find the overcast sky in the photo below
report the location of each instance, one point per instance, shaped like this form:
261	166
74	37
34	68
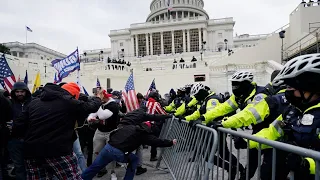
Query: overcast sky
63	25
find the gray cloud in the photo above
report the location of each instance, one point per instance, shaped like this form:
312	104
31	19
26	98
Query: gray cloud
65	24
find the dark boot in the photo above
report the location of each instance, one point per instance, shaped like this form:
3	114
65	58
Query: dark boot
102	173
153	159
140	170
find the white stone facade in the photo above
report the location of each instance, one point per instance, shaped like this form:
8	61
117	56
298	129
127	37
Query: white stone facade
33	51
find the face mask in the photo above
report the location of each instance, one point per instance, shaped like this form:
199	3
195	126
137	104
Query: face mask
298	102
292	99
236	90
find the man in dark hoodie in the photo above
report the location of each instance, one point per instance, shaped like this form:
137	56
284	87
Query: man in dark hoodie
47	126
20	98
122	142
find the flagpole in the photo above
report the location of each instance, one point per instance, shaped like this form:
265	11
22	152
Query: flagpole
26	35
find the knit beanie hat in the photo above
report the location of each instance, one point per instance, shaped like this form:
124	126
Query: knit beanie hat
73	89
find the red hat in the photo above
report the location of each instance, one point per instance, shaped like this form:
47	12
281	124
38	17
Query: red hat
73	89
148	123
106	94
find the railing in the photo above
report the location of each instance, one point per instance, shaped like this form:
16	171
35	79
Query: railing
192	157
310	39
199	151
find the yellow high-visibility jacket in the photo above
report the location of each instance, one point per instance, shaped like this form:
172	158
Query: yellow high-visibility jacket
275	132
210	102
182	109
257	113
231	104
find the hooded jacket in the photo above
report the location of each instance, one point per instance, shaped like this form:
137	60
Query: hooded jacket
17	106
129	138
140	115
47	124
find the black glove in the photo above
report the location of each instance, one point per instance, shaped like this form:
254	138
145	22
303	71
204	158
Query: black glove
215	124
203	109
180	118
169	116
193	124
240	143
297	164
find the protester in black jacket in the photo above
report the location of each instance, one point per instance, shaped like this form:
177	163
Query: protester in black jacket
140	115
6	116
47	126
20	98
107	119
122	142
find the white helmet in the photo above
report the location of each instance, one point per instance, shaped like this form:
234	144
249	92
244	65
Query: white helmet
188	86
196	88
241	76
309	63
182	89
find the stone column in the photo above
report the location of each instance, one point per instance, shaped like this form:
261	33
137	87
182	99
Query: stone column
137	48
200	42
176	14
184	40
165	16
182	14
147	44
173	49
151	44
188	14
205	38
162	50
132	47
188	39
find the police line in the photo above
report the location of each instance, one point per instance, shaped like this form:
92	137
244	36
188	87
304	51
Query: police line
194	155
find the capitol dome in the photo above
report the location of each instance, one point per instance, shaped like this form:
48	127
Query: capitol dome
180	9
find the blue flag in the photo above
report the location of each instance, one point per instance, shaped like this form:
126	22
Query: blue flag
67	65
26	78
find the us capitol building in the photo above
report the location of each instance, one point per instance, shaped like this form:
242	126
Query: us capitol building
176	46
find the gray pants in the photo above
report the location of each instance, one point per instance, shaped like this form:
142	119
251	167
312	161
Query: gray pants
139	154
100	139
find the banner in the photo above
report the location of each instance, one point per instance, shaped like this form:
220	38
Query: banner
67	65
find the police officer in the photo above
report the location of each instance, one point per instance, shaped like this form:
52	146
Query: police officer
244	92
207	101
189	105
300	124
178	100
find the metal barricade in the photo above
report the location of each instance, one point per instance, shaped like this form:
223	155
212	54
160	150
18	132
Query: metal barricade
276	148
193	156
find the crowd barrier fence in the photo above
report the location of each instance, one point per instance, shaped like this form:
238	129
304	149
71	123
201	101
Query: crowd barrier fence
190	158
198	152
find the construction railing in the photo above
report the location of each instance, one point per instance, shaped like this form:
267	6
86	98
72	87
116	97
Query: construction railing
200	151
192	157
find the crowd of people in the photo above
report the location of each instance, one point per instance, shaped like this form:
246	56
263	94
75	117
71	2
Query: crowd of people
45	134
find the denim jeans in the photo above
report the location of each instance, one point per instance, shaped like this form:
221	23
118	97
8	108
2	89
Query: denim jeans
79	154
15	147
107	155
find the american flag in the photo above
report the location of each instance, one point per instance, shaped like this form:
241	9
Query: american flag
28	29
129	95
152	87
98	83
154	107
7	78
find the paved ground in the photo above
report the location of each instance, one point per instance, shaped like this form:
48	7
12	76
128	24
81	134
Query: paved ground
151	174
